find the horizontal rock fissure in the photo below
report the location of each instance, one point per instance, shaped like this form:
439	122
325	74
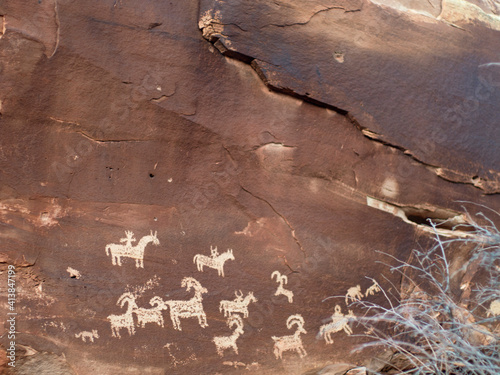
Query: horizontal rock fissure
442	221
489	187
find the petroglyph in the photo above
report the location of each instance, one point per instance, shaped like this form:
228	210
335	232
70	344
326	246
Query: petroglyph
229	342
354	294
74	274
214	261
239	305
292	342
118	251
192	308
87	335
281	280
338	322
375	288
125	320
152	315
494	308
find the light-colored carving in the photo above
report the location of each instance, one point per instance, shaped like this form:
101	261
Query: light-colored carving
354	294
192	308
118	251
374	288
281	280
153	315
239	305
214	261
494	308
125	320
338	322
87	335
227	342
73	273
292	342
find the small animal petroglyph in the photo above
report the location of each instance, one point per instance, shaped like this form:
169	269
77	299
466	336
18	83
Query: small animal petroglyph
228	342
125	320
338	322
118	251
214	261
192	308
375	288
292	342
87	335
353	293
152	315
281	280
74	274
239	305
494	308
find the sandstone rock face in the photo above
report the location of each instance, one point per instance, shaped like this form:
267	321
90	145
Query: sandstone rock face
184	184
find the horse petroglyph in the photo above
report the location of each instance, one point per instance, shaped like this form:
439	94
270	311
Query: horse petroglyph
292	342
192	308
228	342
118	251
375	288
87	335
125	320
214	261
239	305
338	322
281	280
354	294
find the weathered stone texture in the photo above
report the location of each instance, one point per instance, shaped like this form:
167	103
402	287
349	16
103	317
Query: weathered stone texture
302	137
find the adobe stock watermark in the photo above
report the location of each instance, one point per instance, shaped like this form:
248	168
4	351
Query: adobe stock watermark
11	315
266	308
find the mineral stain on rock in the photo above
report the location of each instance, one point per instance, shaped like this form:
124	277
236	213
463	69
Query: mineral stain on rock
207	186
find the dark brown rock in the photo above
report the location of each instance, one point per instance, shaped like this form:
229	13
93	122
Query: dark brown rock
122	117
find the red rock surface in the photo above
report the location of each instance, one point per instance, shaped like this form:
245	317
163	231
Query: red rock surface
304	138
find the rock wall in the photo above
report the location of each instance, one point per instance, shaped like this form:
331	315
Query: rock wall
184	184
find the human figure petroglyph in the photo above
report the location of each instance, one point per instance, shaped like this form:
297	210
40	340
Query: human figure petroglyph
84	335
239	305
125	320
354	294
192	308
281	280
118	251
228	342
374	288
214	261
292	342
338	322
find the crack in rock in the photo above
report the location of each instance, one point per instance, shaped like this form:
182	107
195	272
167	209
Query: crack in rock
214	36
292	230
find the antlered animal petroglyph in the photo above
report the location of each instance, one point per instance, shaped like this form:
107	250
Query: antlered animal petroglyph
125	320
239	305
152	315
282	279
214	261
292	342
338	322
227	342
375	288
118	251
192	308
